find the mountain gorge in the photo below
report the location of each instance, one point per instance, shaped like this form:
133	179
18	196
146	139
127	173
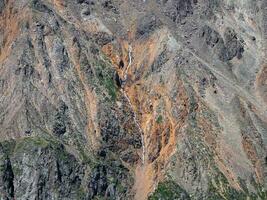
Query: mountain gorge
133	99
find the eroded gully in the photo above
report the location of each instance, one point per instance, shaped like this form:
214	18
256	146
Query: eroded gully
125	76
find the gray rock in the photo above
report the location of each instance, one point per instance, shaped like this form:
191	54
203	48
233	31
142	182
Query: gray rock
2	5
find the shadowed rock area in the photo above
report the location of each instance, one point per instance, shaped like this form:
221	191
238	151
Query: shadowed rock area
133	99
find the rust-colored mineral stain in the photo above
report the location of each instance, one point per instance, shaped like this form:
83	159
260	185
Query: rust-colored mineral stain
252	155
60	4
228	173
261	83
9	22
147	175
149	172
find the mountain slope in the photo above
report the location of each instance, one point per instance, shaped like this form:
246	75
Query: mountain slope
136	99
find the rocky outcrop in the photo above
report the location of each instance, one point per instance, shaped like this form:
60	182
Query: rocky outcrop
133	99
39	168
7	176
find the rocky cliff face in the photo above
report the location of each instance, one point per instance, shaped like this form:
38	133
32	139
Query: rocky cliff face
140	99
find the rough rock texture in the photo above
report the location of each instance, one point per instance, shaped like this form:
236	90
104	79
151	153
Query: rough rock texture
133	99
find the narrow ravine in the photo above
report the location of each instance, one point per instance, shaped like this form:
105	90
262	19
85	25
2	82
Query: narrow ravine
125	76
138	125
129	64
142	171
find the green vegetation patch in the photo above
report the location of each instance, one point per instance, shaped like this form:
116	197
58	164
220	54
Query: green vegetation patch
169	190
159	119
109	84
220	189
105	77
30	142
8	146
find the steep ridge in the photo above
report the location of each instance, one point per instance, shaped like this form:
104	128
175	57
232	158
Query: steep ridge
118	99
